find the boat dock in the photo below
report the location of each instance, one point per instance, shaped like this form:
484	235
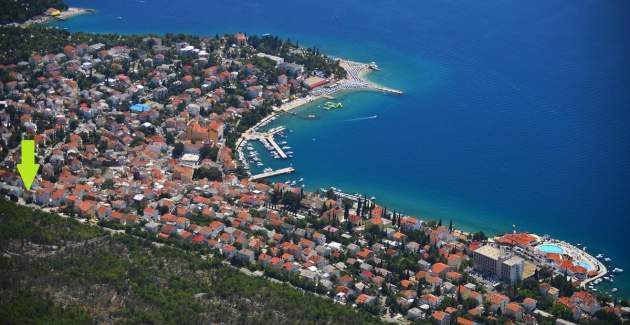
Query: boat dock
268	138
276	147
272	173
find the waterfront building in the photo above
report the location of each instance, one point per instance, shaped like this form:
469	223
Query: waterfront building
498	262
314	82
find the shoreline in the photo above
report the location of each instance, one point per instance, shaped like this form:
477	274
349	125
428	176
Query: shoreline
45	19
355	81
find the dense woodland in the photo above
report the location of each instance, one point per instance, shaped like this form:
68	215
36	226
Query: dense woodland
22	10
89	276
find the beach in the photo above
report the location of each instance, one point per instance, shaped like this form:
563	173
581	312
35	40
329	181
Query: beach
63	15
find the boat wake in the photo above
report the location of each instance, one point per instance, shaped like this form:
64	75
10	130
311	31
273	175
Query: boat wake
362	118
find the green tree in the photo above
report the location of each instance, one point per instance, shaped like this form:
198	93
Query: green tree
212	173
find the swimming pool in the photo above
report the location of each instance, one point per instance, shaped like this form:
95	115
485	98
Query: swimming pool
550	248
585	265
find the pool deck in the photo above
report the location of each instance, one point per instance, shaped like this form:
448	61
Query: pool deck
538	257
581	255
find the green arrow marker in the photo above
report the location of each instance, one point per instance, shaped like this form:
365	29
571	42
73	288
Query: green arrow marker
28	168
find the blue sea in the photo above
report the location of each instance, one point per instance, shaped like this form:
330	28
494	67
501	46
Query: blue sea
513	112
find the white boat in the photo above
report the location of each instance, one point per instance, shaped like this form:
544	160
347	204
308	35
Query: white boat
286	148
301	179
259	164
614	290
599	256
608	259
267	170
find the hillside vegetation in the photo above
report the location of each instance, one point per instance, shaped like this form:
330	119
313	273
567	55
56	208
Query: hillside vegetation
58	271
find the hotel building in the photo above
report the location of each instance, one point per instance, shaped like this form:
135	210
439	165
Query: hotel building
503	264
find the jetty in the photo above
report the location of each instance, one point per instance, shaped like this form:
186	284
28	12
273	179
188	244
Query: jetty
267	137
272	173
275	146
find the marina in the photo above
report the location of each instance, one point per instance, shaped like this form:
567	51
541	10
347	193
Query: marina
267	138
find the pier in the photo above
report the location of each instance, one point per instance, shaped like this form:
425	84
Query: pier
387	90
275	146
268	138
272	173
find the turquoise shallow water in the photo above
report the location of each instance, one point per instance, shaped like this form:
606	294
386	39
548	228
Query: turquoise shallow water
513	113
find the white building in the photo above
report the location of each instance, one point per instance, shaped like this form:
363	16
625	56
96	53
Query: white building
503	264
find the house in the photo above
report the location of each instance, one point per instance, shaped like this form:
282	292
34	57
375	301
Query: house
454	261
586	302
497	301
42	196
182	223
228	251
87	208
246	256
464	321
439	269
103	212
415	313
429	299
529	304
57	197
454	277
514	310
413	247
150	213
364	299
576	312
468	293
441	318
408	224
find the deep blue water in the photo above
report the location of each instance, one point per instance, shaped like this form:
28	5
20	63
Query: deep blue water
514	112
